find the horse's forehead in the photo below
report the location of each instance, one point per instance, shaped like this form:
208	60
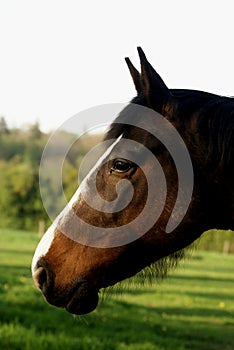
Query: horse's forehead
111	145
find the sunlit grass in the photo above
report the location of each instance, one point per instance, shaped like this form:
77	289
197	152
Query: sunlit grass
191	309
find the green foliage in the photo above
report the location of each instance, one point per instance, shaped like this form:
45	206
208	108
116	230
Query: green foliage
19	197
3	126
215	240
20	155
191	309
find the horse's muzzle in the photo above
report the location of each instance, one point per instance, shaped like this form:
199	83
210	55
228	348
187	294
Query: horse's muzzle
77	298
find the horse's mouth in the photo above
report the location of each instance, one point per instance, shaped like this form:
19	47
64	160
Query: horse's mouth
82	301
79	297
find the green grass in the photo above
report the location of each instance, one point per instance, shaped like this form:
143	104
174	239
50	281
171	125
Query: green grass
192	309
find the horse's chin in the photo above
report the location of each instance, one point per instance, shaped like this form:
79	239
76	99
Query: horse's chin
79	298
82	302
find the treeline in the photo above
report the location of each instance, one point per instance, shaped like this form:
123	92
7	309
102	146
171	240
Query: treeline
21	206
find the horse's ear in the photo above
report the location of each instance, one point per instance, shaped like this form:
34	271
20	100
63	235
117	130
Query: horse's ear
153	87
135	75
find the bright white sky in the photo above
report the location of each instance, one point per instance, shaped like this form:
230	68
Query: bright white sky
60	57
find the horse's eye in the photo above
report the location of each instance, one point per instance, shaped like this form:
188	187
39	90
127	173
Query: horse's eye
121	165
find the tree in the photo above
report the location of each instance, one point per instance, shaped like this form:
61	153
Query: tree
3	126
20	204
35	131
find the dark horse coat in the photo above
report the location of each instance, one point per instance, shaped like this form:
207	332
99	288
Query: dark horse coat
69	273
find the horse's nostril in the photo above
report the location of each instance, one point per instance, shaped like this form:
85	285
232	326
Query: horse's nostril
43	277
40	277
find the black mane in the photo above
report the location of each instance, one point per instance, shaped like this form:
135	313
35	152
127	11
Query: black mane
215	123
213	119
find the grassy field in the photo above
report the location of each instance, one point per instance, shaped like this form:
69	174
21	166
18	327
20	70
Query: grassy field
192	309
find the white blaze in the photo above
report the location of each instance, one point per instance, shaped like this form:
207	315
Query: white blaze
47	239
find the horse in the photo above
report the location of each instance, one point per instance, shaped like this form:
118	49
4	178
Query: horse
71	270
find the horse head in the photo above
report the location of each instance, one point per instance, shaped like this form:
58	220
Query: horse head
105	234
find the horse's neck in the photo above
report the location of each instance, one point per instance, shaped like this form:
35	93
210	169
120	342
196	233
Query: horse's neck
223	205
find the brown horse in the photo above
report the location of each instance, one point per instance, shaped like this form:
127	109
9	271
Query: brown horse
71	263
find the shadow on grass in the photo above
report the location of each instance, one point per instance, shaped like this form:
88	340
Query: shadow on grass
15	269
13	274
118	322
202	278
138	292
207	295
12	277
16	252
